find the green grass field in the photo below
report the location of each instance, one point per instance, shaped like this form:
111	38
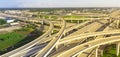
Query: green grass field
17	38
9	39
2	21
110	51
73	16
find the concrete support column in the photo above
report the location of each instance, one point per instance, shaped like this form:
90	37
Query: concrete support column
42	20
50	17
91	18
95	37
101	51
118	23
64	34
96	52
83	18
110	20
25	20
71	21
56	47
71	18
50	35
117	48
78	21
60	21
52	31
33	21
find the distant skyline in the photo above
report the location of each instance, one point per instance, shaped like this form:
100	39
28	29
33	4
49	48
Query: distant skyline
58	3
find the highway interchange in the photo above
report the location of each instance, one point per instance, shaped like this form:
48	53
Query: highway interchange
73	41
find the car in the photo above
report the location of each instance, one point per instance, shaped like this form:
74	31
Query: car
87	45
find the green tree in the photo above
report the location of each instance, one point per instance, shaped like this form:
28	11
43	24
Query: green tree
2	22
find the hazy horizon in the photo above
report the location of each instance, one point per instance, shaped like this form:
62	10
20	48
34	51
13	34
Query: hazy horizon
58	3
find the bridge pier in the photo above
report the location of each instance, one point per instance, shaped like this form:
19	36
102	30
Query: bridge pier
49	35
83	19
42	22
101	51
96	52
95	37
91	18
52	31
110	20
118	21
78	21
56	47
117	49
70	19
25	20
49	17
64	34
33	21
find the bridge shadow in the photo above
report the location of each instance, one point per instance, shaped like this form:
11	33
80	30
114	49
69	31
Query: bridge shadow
105	25
34	49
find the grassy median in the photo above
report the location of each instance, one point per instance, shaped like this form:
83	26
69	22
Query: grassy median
17	38
110	51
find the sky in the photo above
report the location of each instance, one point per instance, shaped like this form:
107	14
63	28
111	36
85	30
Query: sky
58	3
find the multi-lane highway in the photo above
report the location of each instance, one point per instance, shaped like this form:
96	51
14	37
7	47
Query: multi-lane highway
91	51
87	45
92	44
86	35
80	38
91	27
31	44
45	51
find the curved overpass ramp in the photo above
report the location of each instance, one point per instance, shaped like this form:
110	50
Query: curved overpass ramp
86	35
32	43
45	51
89	45
95	26
81	38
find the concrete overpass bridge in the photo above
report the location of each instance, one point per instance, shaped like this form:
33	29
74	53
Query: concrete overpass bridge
81	39
94	26
56	40
106	31
87	35
3	55
91	44
44	54
45	51
29	45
